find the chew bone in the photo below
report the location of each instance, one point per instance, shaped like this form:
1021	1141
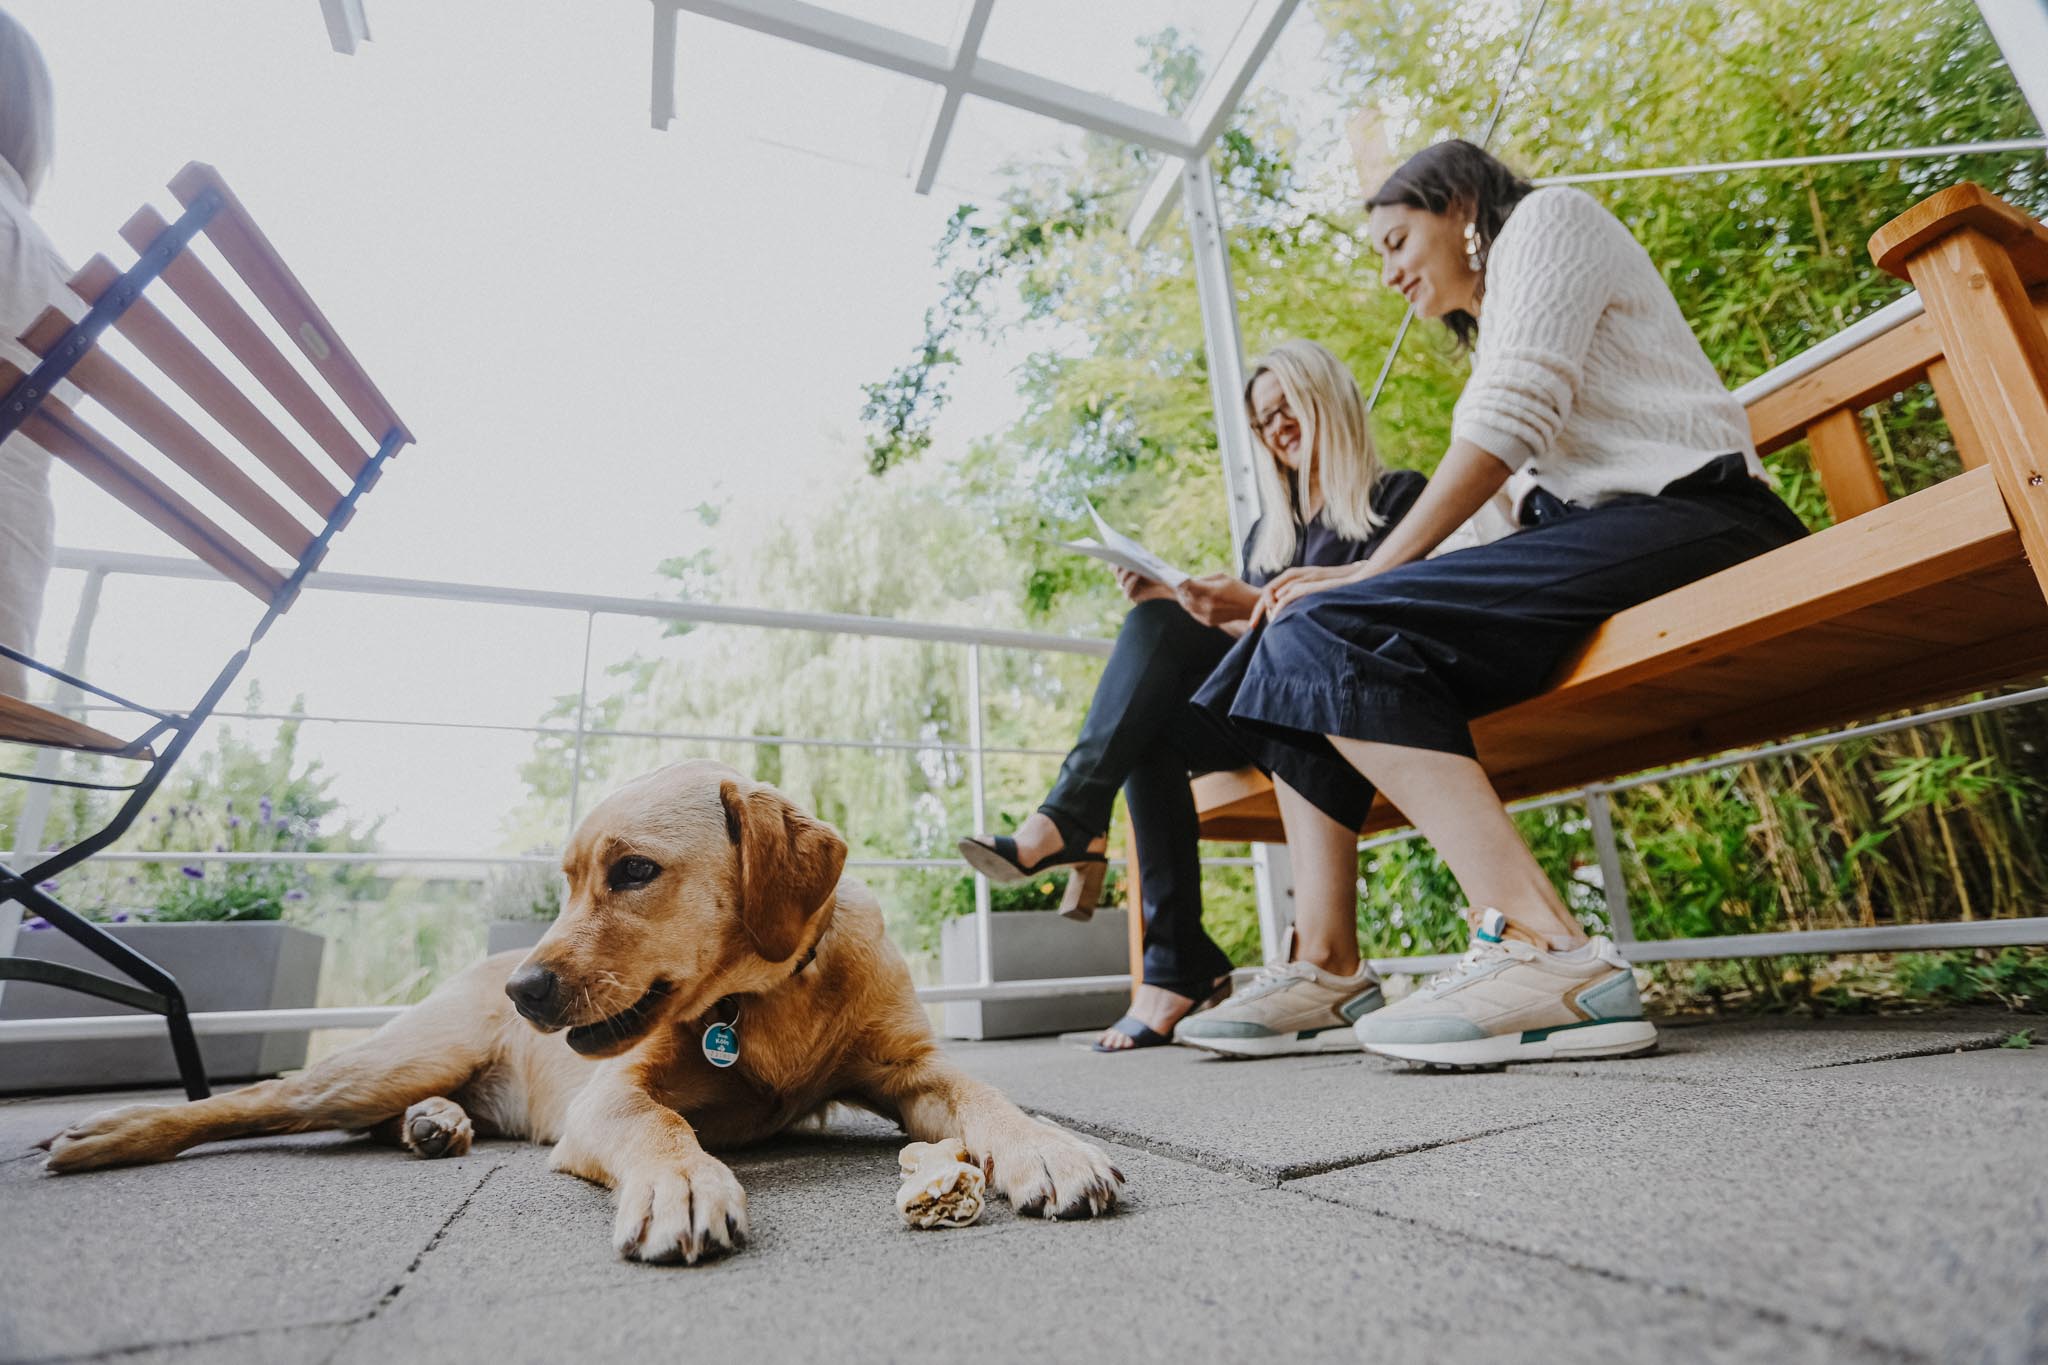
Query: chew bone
941	1188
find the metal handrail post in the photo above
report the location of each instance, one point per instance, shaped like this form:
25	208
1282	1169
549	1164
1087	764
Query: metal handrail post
984	924
1600	811
582	729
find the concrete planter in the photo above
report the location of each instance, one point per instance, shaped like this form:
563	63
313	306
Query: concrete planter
242	966
1028	945
503	935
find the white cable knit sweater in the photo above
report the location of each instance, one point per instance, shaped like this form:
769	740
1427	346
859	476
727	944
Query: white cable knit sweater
1587	380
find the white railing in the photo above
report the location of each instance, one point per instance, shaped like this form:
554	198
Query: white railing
98	566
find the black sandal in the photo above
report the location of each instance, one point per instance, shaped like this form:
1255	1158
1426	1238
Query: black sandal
1143	1035
996	858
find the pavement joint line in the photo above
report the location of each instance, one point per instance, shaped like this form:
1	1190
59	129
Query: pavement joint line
1267	1177
1776	1316
210	1339
1983	1044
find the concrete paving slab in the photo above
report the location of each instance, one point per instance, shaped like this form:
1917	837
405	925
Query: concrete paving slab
2002	1069
235	1238
1913	1213
1269	1120
1265	1274
283	1346
828	1198
1783	1045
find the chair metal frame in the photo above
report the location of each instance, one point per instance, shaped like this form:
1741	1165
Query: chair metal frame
158	991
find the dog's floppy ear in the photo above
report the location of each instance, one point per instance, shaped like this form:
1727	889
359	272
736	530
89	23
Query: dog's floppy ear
789	865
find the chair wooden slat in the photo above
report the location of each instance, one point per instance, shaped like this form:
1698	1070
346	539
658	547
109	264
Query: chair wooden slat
26	723
235	234
122	394
193	283
188	367
69	437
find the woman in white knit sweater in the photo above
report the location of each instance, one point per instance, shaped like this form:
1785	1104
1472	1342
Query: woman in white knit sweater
1603	463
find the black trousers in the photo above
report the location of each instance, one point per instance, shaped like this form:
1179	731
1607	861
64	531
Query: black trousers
1144	735
1410	656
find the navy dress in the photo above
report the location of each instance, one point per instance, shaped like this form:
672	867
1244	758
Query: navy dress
1412	656
1144	735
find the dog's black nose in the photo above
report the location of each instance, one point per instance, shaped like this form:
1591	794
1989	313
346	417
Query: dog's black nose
533	990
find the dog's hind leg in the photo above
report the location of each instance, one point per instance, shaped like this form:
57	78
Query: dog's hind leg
432	1127
429	1051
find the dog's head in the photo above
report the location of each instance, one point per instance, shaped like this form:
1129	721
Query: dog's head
686	885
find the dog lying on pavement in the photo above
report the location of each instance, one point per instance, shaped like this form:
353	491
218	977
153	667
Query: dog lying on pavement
696	899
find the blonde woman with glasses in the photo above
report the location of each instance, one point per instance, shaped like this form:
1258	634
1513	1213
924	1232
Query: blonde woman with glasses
1327	502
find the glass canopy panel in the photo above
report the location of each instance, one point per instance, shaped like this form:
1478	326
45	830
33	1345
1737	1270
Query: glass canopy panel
1105	49
935	21
732	81
995	147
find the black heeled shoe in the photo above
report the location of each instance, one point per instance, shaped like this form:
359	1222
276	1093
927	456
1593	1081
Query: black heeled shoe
995	857
1143	1035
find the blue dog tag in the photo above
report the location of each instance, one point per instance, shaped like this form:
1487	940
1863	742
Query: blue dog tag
721	1045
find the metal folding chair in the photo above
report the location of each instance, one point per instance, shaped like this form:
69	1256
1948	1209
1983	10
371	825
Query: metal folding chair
69	351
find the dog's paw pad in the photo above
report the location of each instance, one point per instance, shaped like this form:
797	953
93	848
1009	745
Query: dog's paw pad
436	1127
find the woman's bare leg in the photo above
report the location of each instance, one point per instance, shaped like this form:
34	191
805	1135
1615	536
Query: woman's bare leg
1453	804
1325	857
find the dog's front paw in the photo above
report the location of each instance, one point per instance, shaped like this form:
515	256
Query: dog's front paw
128	1136
1046	1170
681	1214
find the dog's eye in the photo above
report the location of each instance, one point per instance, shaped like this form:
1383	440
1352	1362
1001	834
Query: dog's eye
628	873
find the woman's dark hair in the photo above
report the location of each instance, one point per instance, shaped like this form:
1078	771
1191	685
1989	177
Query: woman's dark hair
1454	174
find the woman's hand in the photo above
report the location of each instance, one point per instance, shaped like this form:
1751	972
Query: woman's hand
1139	588
1294	584
1217	599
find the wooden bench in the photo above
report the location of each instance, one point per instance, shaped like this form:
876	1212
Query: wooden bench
1896	605
291	492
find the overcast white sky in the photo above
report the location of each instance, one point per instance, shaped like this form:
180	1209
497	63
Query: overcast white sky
590	325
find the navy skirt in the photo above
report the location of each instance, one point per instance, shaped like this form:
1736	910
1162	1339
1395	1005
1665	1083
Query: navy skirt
1411	656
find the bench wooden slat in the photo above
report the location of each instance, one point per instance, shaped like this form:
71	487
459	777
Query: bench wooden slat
24	722
210	301
122	394
1870	374
245	248
188	367
1841	456
69	437
1962	208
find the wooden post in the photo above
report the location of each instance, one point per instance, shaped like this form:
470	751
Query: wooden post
1971	255
1969	449
1841	456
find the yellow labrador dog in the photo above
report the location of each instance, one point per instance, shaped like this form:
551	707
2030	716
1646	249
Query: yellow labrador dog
695	899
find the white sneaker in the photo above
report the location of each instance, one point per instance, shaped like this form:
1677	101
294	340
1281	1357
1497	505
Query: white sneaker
1289	1007
1508	1001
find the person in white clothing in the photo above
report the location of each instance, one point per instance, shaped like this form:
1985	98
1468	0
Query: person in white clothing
32	278
1605	463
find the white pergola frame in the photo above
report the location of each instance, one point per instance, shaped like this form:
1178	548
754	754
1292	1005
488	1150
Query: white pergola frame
2020	28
